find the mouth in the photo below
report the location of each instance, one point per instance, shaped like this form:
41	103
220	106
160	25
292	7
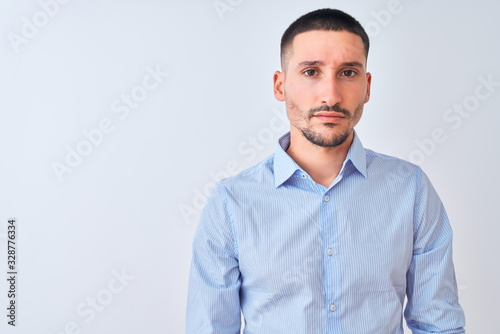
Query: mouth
329	117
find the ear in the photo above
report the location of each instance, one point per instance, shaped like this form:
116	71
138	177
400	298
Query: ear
279	85
368	84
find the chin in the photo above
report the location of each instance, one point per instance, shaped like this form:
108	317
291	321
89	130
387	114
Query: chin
326	139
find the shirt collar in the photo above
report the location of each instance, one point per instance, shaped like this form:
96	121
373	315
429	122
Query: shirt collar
357	155
285	166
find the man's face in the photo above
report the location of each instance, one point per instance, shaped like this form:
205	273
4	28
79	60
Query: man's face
324	85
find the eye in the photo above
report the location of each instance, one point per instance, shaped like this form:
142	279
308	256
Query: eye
348	73
310	73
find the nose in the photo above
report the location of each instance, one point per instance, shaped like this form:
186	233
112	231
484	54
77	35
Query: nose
331	91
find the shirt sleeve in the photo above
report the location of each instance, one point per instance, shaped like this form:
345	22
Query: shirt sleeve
432	292
213	304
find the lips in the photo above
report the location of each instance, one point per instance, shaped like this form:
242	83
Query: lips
330	117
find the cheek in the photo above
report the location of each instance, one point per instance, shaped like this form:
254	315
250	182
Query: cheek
296	115
355	96
358	111
299	94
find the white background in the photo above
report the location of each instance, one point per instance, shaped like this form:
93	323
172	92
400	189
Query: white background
131	204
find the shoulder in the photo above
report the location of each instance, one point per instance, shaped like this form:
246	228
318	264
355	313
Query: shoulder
259	174
229	194
381	163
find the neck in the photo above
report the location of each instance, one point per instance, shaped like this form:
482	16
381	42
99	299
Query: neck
323	164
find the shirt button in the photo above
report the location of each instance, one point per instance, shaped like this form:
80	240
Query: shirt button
333	308
329	251
304	176
327	198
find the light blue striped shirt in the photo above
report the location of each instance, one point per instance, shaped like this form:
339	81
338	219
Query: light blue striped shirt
297	257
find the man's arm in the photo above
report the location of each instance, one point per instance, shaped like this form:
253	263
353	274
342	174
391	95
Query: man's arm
431	285
213	304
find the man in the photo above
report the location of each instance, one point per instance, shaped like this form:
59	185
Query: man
324	236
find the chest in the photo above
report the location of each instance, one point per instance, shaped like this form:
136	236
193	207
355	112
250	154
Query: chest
288	244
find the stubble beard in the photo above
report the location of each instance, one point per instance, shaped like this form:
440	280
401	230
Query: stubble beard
336	139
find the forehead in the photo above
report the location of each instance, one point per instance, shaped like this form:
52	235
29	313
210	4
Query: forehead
337	46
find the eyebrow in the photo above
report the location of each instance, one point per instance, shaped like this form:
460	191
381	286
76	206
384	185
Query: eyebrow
318	62
310	63
353	64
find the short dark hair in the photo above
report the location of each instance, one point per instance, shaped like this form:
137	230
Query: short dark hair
323	19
